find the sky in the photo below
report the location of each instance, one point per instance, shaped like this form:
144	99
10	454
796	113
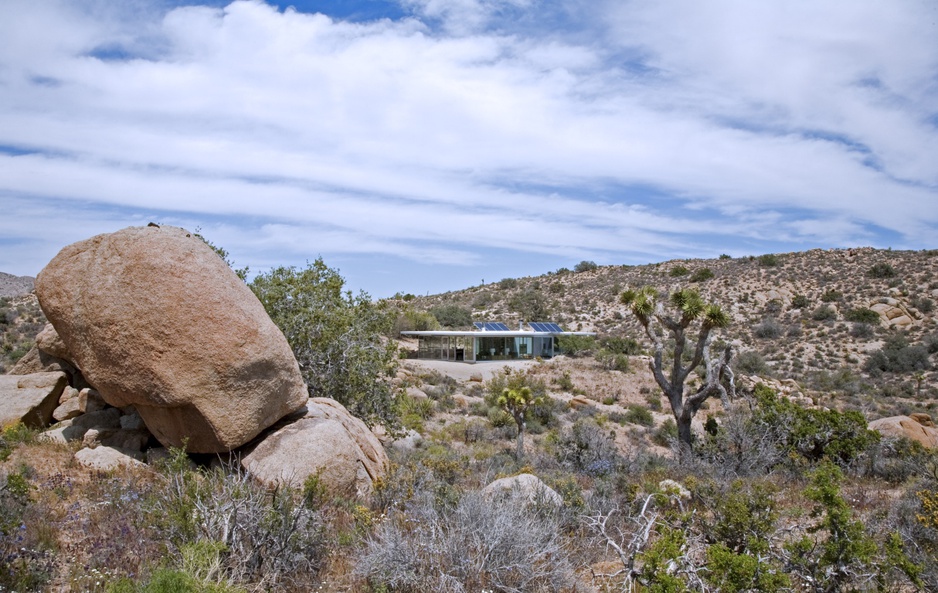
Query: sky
421	146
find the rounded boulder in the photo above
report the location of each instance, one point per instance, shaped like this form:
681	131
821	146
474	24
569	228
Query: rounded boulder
154	318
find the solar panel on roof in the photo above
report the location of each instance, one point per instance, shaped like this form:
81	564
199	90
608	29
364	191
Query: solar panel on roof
540	326
491	326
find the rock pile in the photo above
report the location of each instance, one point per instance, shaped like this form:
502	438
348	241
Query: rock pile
155	341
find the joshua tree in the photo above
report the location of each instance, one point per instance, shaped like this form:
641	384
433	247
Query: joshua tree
689	307
517	402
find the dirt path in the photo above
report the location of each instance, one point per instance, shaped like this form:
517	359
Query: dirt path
463	371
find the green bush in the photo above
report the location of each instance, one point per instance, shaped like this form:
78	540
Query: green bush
665	434
678	271
898	356
830	295
452	316
576	345
800	301
336	338
862	315
751	363
701	275
768	260
881	270
824	313
585	266
639	415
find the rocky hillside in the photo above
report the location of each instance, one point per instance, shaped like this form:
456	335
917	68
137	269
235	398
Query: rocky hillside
15	286
817	317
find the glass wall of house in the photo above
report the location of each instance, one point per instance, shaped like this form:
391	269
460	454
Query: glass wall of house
458	348
511	348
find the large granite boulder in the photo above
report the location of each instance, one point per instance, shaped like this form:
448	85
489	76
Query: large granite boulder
30	399
154	318
917	429
328	442
527	486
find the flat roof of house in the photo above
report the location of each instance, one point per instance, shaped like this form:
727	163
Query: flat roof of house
494	334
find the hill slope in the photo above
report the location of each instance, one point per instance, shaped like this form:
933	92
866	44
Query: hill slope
816	317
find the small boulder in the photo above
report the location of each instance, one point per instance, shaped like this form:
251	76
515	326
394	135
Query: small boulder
154	318
417	394
67	410
30	399
107	459
528	486
327	442
90	400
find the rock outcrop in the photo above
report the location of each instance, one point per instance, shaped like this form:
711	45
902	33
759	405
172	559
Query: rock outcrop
917	429
327	442
155	319
30	399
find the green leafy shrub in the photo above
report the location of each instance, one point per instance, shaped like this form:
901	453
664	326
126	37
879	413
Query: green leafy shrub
701	275
862	315
620	345
824	313
814	433
768	329
769	260
640	415
336	337
862	331
612	361
665	434
576	345
751	363
678	271
585	266
831	295
800	301
898	356
881	270
452	315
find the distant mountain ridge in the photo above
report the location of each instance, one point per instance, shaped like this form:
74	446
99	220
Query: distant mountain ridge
13	286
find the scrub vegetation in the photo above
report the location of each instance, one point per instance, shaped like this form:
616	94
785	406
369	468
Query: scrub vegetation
783	487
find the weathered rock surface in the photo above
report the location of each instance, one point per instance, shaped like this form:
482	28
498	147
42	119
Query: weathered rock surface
528	486
106	459
154	318
904	426
328	442
30	399
37	361
48	341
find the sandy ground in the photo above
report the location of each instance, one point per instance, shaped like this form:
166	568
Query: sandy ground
463	371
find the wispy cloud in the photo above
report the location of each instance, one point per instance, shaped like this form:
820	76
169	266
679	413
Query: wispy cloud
547	131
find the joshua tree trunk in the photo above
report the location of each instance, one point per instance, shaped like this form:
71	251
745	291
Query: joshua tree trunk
650	313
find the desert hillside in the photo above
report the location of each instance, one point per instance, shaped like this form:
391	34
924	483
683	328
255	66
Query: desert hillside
815	317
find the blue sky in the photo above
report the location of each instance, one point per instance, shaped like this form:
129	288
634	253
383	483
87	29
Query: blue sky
429	145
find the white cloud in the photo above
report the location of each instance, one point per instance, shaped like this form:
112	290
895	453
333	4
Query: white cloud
665	128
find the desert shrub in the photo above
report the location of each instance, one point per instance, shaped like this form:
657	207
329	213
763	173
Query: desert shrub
898	356
336	337
640	415
773	306
576	345
666	434
585	266
768	329
612	361
862	331
881	270
411	320
269	538
814	433
751	363
532	304
620	345
479	542
769	260
831	295
452	315
800	301
923	304
725	256
678	271
862	315
507	283
701	275
824	313
586	447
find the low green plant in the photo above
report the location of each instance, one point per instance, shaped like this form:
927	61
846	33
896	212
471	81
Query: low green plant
768	260
862	315
678	271
881	270
701	275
